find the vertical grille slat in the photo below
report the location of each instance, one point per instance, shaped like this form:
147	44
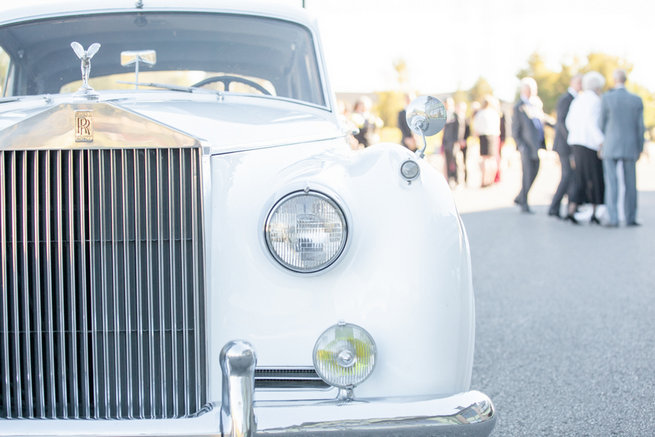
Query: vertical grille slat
17	371
127	285
139	288
59	284
185	288
84	332
196	280
36	281
48	290
27	348
4	297
116	274
102	260
172	189
95	366
72	285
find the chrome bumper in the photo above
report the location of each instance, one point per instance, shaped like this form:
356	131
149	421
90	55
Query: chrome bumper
465	414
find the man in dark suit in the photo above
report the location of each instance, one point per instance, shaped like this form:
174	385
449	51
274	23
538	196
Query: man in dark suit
622	122
528	133
567	184
451	137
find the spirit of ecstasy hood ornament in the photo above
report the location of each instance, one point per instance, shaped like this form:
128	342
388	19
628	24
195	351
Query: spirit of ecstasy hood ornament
85	56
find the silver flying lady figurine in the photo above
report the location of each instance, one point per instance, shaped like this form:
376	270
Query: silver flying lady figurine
85	56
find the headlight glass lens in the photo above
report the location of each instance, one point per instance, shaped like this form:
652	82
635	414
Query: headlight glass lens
306	231
344	355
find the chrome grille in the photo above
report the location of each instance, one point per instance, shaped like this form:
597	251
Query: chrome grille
102	310
288	378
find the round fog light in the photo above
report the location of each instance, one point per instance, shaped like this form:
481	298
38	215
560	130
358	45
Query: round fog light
344	355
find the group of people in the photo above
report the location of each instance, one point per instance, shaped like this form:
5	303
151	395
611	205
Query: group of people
595	135
487	123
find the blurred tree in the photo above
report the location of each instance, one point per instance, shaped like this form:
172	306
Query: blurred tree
402	73
552	83
389	104
606	64
480	89
461	96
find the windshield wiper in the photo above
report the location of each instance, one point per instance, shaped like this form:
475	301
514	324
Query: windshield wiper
9	99
184	89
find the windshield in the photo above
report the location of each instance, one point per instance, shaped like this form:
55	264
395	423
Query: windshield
235	53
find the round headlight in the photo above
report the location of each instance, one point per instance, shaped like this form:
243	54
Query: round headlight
306	231
344	355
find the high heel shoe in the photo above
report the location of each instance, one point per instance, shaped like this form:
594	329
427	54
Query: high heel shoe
571	219
594	220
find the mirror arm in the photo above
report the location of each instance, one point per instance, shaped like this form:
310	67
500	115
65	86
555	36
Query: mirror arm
420	124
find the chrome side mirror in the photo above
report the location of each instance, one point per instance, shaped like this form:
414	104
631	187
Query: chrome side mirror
148	57
426	116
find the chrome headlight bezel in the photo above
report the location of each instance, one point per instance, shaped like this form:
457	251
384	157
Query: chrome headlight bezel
322	197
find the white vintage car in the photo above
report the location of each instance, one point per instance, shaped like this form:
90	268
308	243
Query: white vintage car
190	247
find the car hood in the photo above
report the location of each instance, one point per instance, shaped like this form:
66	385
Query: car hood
225	124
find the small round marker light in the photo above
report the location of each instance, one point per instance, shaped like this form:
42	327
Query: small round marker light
410	170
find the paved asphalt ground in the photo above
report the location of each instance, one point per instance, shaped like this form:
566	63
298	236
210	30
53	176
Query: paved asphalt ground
565	332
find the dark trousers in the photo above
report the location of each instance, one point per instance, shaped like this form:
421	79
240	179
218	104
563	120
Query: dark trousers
530	168
590	168
451	163
564	182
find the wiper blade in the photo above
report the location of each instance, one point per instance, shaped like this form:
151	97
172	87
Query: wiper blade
184	89
9	99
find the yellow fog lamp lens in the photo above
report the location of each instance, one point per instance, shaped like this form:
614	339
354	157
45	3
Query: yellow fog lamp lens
344	355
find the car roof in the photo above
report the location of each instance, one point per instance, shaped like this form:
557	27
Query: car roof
45	9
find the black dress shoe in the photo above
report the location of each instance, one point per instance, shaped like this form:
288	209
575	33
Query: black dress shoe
633	224
554	214
594	220
571	218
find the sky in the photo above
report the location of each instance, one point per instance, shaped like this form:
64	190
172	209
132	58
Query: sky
450	44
